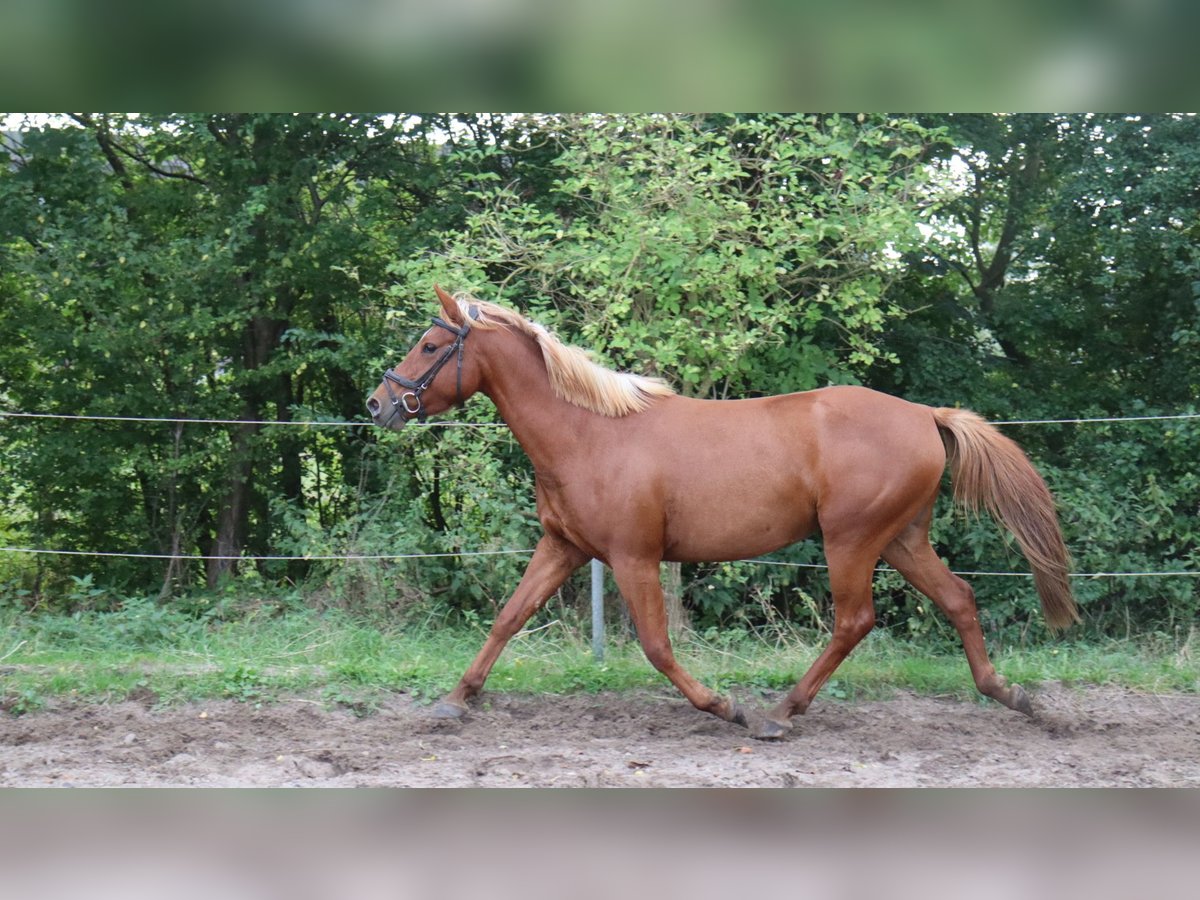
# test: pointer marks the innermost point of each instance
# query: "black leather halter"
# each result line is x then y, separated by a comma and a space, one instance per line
410, 401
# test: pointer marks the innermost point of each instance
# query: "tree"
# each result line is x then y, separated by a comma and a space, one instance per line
1061, 282
710, 248
196, 266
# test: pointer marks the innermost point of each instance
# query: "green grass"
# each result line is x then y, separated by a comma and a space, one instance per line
261, 657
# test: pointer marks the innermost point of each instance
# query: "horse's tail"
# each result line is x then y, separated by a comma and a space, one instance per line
989, 469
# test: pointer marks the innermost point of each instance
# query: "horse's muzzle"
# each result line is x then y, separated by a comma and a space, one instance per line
384, 416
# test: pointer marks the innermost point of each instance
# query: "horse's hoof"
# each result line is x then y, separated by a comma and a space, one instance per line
1019, 700
737, 715
765, 729
446, 709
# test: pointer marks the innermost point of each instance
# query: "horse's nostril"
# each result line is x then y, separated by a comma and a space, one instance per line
373, 406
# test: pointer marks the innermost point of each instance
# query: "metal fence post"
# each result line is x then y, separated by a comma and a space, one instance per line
598, 610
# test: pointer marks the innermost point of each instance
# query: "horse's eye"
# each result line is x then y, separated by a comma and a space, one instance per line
429, 348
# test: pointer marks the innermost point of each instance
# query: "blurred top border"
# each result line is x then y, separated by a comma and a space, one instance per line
615, 55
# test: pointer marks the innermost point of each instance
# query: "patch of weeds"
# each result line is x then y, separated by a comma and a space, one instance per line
18, 703
142, 623
593, 678
361, 703
356, 672
84, 595
426, 689
424, 682
835, 689
762, 681
244, 684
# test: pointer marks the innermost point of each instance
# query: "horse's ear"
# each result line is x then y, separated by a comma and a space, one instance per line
450, 310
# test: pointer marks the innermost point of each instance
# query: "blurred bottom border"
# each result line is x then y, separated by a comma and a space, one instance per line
696, 844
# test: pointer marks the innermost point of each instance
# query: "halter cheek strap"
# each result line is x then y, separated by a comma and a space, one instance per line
410, 401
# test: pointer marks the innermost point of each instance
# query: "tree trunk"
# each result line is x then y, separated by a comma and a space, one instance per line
260, 340
232, 517
291, 480
175, 564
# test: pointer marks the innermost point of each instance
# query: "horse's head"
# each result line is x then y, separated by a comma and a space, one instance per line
436, 374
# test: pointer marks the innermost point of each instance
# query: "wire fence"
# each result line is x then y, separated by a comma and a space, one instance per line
313, 423
319, 423
376, 557
246, 558
358, 423
1098, 419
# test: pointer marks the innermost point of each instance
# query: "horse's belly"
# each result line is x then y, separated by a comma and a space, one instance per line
732, 531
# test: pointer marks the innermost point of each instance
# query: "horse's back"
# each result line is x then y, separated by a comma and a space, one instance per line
767, 470
839, 418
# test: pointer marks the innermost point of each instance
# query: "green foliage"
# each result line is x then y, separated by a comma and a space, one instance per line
1058, 283
717, 250
268, 267
192, 266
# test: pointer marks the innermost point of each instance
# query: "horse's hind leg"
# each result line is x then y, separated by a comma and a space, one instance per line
850, 574
641, 587
913, 557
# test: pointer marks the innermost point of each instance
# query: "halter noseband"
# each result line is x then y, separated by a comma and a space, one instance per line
410, 401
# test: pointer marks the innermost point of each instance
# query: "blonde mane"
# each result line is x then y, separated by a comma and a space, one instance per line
574, 375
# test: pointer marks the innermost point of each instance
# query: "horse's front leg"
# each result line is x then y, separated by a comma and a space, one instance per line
553, 561
642, 589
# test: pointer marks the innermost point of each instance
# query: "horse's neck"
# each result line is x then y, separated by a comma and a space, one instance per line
545, 425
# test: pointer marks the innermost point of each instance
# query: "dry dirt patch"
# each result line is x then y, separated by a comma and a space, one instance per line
1082, 737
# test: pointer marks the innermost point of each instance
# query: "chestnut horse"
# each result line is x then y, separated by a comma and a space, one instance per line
632, 474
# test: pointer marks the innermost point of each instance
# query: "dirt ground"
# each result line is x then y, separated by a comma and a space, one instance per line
1081, 737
